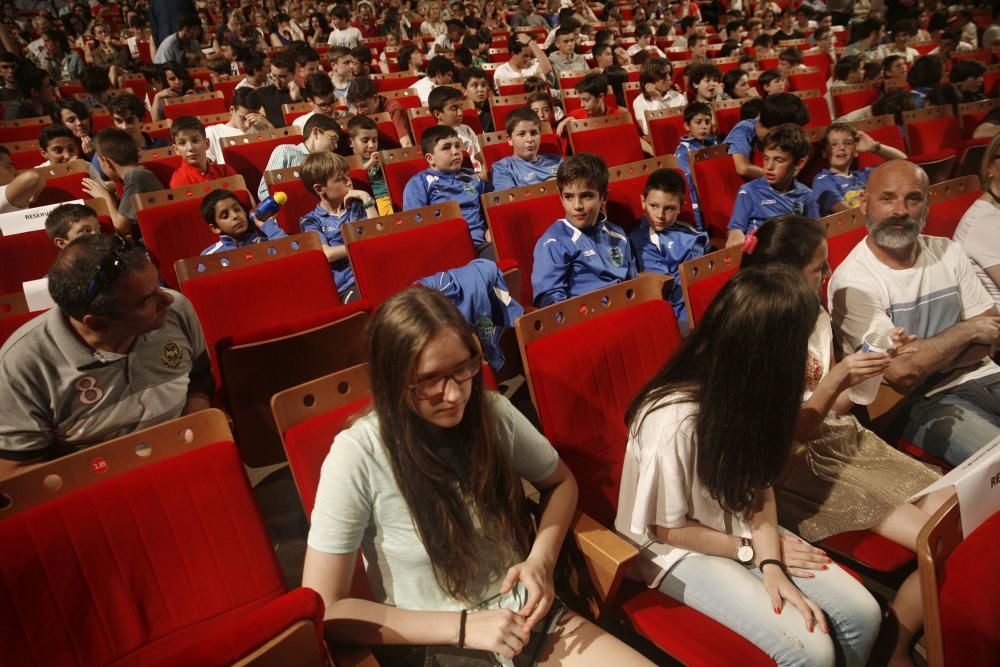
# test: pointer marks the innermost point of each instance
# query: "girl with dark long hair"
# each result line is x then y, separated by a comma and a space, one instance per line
843, 477
709, 437
428, 484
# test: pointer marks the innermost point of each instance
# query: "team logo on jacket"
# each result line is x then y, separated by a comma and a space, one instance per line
617, 256
485, 329
799, 208
171, 355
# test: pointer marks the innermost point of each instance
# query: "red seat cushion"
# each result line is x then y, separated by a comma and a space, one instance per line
871, 550
969, 588
689, 636
397, 174
666, 133
26, 256
717, 183
249, 159
625, 203
700, 294
944, 216
158, 555
616, 145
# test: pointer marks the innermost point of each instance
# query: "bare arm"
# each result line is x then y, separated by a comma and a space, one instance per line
702, 539
544, 66
122, 224
25, 188
745, 168
960, 345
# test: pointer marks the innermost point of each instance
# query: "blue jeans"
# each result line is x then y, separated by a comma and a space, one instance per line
954, 424
734, 595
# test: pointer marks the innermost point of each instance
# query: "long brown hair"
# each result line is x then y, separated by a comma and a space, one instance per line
446, 497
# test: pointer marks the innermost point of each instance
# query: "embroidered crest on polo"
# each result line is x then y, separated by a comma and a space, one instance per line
617, 256
485, 328
172, 354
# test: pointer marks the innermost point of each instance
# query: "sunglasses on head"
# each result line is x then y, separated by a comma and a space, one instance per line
108, 271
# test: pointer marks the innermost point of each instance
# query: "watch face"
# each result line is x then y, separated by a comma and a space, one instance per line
744, 554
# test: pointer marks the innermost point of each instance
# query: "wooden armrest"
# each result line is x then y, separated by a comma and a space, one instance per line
352, 655
607, 557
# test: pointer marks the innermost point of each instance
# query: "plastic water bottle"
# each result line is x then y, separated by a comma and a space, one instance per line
269, 207
865, 392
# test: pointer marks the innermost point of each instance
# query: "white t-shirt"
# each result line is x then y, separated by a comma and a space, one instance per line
349, 37
979, 235
936, 293
424, 87
505, 71
820, 353
358, 503
640, 105
660, 487
6, 206
215, 134
303, 119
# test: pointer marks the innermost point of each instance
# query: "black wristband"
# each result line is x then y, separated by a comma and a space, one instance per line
461, 629
772, 561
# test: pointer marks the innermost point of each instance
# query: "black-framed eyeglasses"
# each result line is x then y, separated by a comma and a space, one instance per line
434, 387
108, 271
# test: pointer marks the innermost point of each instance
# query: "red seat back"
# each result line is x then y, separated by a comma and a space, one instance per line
11, 323
248, 154
196, 108
172, 226
290, 294
819, 110
972, 114
23, 257
398, 167
948, 203
397, 81
163, 162
889, 134
300, 200
808, 81
582, 397
726, 118
702, 278
852, 98
24, 154
845, 230
151, 559
63, 183
614, 138
717, 182
501, 107
23, 129
625, 188
517, 219
371, 254
666, 127
820, 61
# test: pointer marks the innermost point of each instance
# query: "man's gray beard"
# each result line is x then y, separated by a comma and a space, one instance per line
884, 235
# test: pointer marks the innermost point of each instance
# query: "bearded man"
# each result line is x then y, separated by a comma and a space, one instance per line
897, 277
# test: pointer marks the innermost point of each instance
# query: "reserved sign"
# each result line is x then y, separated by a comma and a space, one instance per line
28, 219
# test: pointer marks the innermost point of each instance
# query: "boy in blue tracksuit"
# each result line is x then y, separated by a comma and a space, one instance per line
583, 251
661, 241
445, 180
839, 187
236, 228
525, 166
746, 137
698, 123
786, 150
326, 175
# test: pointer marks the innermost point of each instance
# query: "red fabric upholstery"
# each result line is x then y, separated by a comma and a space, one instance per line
549, 145
820, 61
163, 167
452, 245
819, 111
692, 638
873, 551
841, 245
969, 588
290, 294
944, 216
177, 231
584, 378
936, 134
501, 111
720, 174
198, 108
226, 647
510, 88
11, 323
618, 144
419, 124
395, 83
24, 257
666, 133
625, 205
516, 226
300, 201
138, 566
700, 295
228, 89
59, 189
9, 135
26, 157
808, 81
397, 174
248, 160
726, 119
852, 101
890, 135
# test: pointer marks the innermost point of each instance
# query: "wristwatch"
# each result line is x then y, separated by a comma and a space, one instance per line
744, 553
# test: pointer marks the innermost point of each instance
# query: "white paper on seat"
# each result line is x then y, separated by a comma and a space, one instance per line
36, 293
28, 219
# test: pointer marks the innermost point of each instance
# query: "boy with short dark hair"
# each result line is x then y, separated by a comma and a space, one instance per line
746, 136
118, 159
839, 187
445, 104
698, 135
68, 222
191, 144
705, 81
786, 149
526, 166
771, 82
57, 144
364, 97
661, 241
327, 177
246, 116
234, 224
583, 251
362, 134
592, 90
320, 134
446, 180
967, 76
789, 59
319, 93
476, 85
440, 72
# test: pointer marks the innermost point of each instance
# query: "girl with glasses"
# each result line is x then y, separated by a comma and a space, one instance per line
428, 484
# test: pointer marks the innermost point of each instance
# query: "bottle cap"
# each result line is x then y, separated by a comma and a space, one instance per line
280, 198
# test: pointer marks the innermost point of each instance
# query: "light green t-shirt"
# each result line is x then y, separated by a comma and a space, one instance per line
359, 504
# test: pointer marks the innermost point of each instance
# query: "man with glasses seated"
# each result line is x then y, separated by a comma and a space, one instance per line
118, 354
320, 134
319, 93
247, 116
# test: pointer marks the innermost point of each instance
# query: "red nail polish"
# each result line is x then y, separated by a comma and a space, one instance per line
825, 567
777, 610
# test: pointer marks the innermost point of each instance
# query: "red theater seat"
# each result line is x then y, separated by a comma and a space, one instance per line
625, 188
300, 200
23, 257
703, 277
882, 129
163, 162
727, 114
495, 145
615, 138
198, 104
666, 127
248, 154
155, 542
501, 107
398, 166
853, 97
63, 182
948, 203
717, 183
819, 110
